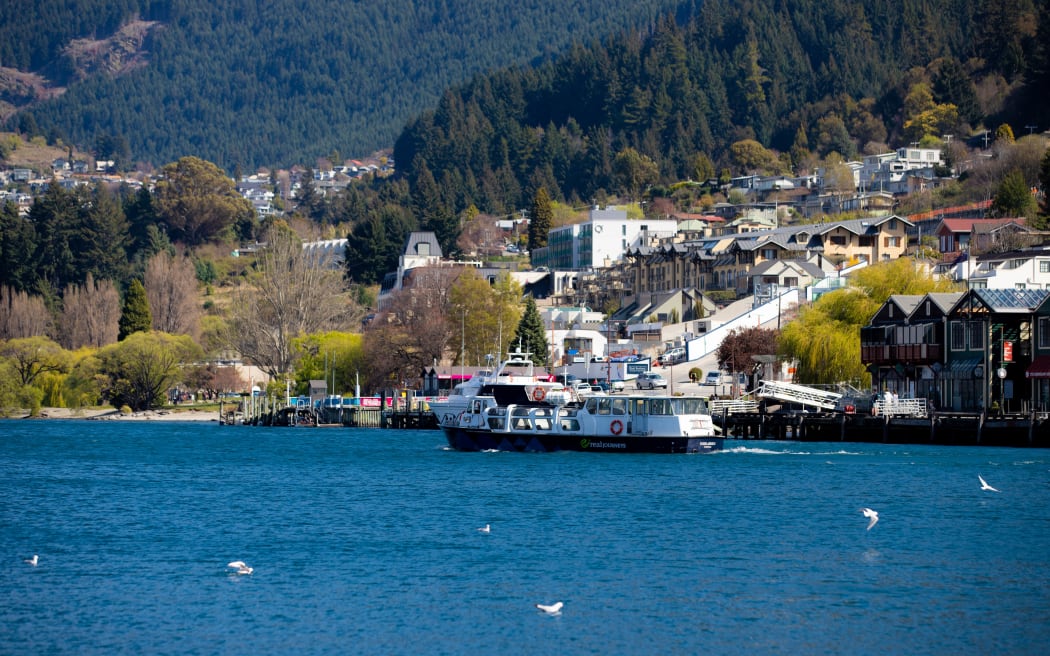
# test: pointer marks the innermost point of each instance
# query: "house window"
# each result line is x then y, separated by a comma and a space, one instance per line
838, 241
958, 336
769, 254
976, 336
891, 242
866, 242
1043, 332
1044, 266
1019, 285
791, 281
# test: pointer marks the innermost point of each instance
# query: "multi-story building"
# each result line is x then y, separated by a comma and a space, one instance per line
725, 262
599, 241
968, 352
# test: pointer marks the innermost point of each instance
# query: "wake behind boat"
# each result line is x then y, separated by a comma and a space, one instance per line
618, 424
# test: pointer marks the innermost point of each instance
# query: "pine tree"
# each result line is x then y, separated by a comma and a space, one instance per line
1013, 198
135, 316
531, 333
541, 215
1043, 217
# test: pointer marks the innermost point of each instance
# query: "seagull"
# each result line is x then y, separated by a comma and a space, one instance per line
241, 567
984, 484
553, 609
870, 514
485, 529
32, 561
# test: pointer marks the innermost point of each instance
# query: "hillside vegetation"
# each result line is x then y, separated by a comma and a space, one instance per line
279, 82
746, 86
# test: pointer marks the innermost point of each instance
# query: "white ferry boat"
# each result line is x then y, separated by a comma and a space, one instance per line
515, 381
617, 424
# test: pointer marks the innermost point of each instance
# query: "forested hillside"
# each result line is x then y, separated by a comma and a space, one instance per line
745, 86
277, 82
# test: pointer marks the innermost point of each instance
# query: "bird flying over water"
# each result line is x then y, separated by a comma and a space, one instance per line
32, 561
485, 529
984, 484
241, 567
870, 514
553, 609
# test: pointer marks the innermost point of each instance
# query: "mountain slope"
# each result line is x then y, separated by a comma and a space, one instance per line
248, 83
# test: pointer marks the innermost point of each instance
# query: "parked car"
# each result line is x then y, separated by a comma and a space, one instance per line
716, 378
672, 356
650, 380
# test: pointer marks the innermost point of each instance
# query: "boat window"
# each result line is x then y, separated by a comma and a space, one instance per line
604, 406
639, 407
689, 406
496, 423
659, 406
592, 405
619, 406
543, 423
522, 423
571, 424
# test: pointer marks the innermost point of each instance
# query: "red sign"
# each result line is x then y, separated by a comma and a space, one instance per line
1008, 351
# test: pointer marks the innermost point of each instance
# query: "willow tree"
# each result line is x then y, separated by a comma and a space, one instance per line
294, 292
139, 370
824, 341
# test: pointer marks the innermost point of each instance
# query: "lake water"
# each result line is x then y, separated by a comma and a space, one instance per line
366, 541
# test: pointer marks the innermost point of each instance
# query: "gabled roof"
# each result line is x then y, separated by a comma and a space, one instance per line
810, 269
966, 225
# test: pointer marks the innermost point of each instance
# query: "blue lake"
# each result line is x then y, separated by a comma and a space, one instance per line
366, 541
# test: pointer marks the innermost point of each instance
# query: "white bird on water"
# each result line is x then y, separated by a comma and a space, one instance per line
32, 561
485, 529
870, 514
553, 609
241, 567
984, 484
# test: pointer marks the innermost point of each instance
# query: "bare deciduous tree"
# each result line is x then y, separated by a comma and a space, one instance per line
414, 333
90, 314
22, 315
171, 288
296, 292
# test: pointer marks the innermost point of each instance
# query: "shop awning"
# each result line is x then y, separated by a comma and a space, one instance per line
963, 369
1040, 368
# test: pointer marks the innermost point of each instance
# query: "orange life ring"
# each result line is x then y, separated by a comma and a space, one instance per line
539, 394
616, 427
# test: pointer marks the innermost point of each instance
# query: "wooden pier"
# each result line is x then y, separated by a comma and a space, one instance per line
944, 428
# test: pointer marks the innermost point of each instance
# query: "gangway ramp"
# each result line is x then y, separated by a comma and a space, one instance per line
791, 393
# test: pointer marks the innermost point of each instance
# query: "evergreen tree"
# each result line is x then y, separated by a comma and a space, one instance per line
531, 334
135, 316
541, 215
1013, 198
1043, 217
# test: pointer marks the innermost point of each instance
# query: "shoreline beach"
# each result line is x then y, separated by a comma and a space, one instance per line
111, 414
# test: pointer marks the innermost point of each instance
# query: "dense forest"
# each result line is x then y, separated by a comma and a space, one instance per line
271, 83
745, 86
